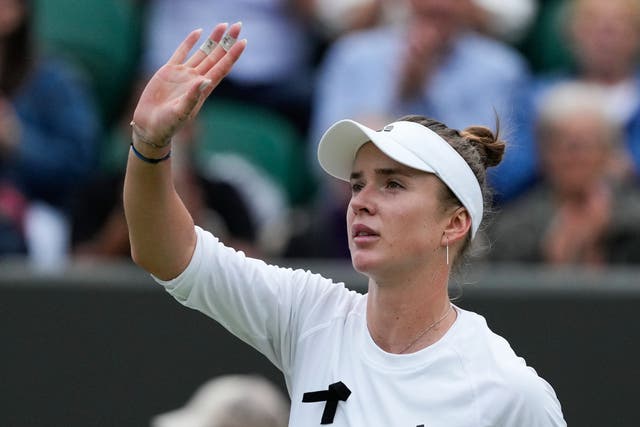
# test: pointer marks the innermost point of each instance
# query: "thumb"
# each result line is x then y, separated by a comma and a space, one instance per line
191, 98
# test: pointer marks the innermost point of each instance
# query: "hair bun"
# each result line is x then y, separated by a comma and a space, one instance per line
488, 144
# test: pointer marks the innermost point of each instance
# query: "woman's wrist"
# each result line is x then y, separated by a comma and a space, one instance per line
149, 151
140, 136
150, 160
146, 149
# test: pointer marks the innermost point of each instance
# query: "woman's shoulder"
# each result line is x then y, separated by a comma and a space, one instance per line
485, 348
507, 388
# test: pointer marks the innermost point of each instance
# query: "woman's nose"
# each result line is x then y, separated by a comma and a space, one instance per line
362, 201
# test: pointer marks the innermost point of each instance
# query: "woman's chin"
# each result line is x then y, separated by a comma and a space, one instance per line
363, 264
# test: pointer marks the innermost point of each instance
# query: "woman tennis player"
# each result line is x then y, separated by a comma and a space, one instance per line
401, 355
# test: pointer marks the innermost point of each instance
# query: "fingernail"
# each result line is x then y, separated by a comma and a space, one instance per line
239, 23
204, 85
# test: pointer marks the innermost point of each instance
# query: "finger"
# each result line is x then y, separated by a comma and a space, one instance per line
185, 47
220, 51
224, 66
208, 46
190, 100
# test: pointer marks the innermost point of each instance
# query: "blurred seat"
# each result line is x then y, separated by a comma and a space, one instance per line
264, 138
546, 45
101, 36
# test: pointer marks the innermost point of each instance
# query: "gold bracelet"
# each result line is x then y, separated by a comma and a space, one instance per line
138, 135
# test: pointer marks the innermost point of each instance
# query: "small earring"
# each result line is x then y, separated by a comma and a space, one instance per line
447, 249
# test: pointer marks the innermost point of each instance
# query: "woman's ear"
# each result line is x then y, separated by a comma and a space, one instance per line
457, 227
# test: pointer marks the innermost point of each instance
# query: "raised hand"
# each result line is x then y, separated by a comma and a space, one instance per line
178, 89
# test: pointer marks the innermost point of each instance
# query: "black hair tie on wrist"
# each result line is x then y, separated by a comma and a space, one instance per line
147, 159
336, 392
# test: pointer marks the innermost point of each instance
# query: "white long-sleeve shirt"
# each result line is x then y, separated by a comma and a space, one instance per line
315, 332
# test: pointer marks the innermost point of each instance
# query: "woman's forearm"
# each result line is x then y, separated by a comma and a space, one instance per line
161, 230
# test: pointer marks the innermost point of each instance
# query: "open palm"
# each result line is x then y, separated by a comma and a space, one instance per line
178, 89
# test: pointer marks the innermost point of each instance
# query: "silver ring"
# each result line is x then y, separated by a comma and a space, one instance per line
227, 42
208, 46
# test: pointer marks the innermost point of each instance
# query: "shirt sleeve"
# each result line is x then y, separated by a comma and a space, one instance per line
266, 306
531, 402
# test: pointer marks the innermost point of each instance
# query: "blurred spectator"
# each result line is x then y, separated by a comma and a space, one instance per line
581, 212
99, 225
48, 131
275, 70
605, 41
231, 401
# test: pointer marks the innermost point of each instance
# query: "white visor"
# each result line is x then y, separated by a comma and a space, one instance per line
411, 144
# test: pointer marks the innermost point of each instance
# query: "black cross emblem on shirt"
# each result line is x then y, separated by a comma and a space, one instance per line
336, 392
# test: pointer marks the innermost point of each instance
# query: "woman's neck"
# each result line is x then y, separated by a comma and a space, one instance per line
409, 315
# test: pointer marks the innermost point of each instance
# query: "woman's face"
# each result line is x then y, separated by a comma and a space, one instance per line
395, 218
11, 16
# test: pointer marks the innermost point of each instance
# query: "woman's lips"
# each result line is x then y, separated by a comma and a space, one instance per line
362, 234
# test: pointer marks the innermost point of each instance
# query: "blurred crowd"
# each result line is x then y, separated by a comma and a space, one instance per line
560, 78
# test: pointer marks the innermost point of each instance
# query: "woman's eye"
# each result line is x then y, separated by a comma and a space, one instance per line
355, 187
393, 184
